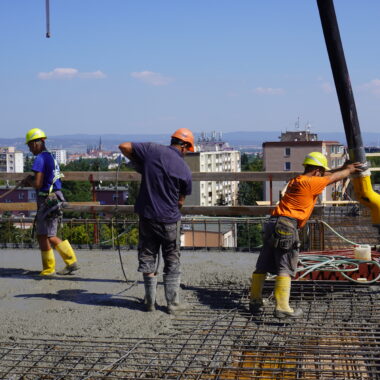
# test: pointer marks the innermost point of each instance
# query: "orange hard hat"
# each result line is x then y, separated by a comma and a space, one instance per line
185, 135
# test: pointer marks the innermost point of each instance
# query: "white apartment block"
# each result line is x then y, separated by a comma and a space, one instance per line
11, 161
289, 155
213, 156
60, 155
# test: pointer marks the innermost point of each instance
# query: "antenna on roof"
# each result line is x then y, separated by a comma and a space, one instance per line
297, 124
47, 9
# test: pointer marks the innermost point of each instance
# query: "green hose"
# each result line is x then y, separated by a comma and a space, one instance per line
327, 263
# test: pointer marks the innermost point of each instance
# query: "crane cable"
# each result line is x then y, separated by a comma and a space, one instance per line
117, 204
47, 12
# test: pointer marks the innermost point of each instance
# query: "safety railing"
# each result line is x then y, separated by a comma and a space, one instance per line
210, 227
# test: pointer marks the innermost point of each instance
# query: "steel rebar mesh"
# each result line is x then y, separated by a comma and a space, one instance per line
338, 338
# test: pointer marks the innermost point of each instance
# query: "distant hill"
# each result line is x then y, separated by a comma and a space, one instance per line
240, 140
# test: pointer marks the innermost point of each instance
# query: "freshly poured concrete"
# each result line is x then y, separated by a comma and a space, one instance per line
97, 301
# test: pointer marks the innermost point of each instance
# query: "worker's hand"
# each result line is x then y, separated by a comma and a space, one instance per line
181, 201
27, 181
356, 167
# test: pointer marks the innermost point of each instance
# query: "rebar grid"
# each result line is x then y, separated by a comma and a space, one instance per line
338, 338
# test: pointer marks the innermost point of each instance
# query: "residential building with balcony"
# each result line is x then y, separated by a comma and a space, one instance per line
60, 155
213, 155
11, 161
288, 155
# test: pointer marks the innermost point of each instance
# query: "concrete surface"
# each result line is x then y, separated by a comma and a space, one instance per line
97, 301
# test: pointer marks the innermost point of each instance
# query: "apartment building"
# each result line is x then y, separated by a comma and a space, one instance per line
11, 161
60, 155
213, 155
111, 195
288, 155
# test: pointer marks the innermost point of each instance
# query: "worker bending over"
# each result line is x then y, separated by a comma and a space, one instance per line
165, 182
279, 254
46, 181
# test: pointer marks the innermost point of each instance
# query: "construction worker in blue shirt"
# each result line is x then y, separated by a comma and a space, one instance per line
165, 182
46, 181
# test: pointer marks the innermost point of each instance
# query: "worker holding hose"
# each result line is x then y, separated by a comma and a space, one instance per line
165, 182
279, 254
46, 181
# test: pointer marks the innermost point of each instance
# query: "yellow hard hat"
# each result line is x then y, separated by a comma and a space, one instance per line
316, 159
35, 134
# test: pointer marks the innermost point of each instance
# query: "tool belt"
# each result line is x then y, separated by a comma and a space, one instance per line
52, 205
285, 235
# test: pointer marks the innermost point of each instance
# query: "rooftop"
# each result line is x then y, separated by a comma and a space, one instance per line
92, 325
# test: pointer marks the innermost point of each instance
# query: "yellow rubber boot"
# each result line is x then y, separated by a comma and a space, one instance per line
48, 263
282, 295
68, 256
256, 299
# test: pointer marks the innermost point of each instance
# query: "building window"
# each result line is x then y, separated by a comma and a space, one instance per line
287, 152
287, 166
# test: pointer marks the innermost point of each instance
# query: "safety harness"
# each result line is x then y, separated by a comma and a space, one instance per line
53, 203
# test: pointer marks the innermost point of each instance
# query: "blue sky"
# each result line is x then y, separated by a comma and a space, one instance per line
138, 66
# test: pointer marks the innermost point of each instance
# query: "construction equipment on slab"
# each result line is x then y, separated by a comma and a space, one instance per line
362, 182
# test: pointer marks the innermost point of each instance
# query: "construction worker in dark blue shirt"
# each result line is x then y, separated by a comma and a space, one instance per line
46, 181
165, 182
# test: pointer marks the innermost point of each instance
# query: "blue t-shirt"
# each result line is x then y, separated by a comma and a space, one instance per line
45, 163
164, 177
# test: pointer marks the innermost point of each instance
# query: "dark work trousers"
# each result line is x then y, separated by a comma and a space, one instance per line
153, 236
280, 251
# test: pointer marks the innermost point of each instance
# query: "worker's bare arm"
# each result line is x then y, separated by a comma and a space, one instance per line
35, 181
344, 172
181, 200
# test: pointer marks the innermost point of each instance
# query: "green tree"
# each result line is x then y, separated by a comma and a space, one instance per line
133, 191
249, 235
77, 191
7, 229
133, 237
250, 192
28, 163
77, 234
86, 164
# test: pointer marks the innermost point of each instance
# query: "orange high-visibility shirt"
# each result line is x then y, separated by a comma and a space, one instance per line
300, 198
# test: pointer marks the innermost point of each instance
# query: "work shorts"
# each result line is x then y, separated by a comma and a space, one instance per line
153, 236
47, 225
280, 250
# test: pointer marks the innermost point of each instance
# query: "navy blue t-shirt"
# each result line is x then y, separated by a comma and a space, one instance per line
45, 163
164, 177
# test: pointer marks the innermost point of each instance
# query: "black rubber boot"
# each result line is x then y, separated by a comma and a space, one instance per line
68, 269
257, 306
296, 313
172, 284
150, 284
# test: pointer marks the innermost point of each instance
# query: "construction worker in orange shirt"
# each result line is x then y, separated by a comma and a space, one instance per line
280, 251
